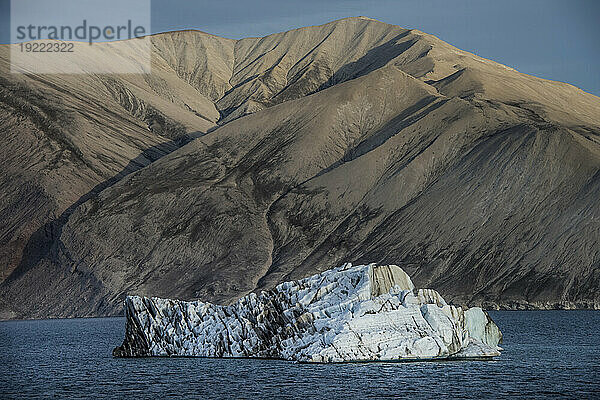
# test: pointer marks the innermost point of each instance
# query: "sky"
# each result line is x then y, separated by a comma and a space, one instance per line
553, 39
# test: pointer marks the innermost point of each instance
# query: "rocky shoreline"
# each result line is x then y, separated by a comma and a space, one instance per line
7, 315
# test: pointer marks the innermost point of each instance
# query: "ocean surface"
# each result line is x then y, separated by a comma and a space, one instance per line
547, 354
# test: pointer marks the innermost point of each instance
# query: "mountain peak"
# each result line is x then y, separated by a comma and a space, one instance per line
269, 159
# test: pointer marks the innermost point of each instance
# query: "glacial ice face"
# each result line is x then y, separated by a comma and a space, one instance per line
350, 313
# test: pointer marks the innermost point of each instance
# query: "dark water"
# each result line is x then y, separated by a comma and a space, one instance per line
547, 354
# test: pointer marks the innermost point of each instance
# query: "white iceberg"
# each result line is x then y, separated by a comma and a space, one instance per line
350, 313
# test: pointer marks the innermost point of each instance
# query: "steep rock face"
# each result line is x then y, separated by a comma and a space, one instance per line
354, 141
359, 313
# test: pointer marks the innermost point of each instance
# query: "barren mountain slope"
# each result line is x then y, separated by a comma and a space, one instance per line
366, 142
62, 135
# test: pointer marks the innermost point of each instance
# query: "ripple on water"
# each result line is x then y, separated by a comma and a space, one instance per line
547, 354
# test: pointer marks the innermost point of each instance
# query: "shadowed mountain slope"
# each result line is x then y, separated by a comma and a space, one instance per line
66, 135
352, 141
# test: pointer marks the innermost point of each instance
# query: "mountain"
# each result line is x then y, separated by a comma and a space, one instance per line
237, 165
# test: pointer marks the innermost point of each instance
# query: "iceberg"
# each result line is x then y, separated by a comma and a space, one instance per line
350, 313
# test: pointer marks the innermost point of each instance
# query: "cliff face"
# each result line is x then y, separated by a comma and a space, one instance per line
360, 313
355, 141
